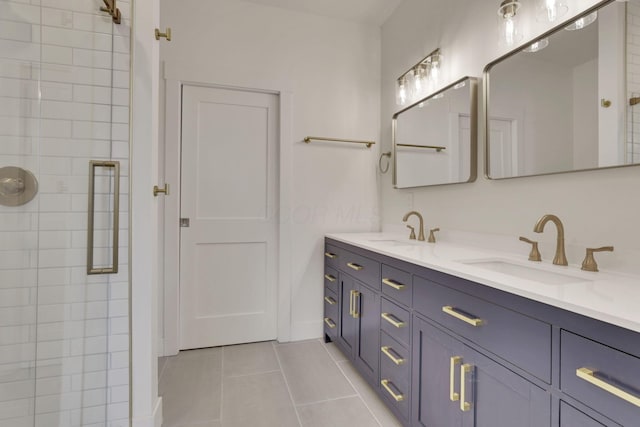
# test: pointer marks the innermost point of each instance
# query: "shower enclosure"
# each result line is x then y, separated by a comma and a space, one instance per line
64, 250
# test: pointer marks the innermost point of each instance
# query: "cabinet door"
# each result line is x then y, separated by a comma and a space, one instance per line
498, 397
436, 357
455, 386
367, 307
347, 324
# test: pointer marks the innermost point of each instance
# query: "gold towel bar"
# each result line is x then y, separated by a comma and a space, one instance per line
308, 139
433, 147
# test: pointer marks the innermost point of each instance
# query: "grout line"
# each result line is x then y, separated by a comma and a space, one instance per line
286, 383
364, 402
252, 374
333, 399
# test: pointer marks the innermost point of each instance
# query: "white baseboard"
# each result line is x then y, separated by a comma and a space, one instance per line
155, 420
301, 331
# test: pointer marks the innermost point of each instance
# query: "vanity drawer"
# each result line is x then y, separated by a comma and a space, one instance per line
330, 313
394, 361
396, 284
331, 256
362, 268
522, 340
571, 417
397, 395
601, 377
331, 278
395, 321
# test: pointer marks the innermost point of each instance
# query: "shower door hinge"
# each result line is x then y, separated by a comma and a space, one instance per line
184, 222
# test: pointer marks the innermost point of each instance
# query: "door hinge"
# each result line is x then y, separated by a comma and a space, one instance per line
184, 222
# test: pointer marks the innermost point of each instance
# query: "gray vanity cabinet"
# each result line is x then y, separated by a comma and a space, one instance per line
456, 386
359, 325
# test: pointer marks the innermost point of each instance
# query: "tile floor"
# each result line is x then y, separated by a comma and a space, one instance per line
308, 384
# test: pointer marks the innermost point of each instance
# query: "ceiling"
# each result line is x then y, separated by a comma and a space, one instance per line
366, 11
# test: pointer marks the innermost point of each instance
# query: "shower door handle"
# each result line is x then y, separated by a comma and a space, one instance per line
93, 165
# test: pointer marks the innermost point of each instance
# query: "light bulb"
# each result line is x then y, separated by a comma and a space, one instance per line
537, 45
508, 22
551, 10
401, 92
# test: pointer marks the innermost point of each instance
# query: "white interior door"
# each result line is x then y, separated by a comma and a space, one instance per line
228, 253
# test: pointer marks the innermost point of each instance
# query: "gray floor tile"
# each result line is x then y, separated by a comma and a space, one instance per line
371, 399
335, 353
347, 412
260, 400
190, 387
247, 359
311, 373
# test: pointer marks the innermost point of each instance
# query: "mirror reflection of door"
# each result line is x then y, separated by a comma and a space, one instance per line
503, 152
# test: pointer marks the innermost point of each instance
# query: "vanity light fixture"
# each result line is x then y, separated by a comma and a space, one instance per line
551, 10
508, 21
537, 45
582, 22
419, 80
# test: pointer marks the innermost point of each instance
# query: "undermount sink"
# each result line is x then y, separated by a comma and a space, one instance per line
393, 242
525, 272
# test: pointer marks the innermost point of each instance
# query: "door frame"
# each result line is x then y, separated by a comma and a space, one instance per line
176, 75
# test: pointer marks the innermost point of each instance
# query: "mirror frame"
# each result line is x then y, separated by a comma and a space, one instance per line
486, 89
473, 143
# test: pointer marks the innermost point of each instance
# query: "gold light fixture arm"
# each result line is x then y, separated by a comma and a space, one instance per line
111, 9
308, 139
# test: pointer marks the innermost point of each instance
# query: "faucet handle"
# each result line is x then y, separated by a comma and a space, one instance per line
589, 262
412, 236
534, 255
432, 237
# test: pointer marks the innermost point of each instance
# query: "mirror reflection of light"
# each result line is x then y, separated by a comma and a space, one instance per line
439, 96
583, 22
537, 46
460, 85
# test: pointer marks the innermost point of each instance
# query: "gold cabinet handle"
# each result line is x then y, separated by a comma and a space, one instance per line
356, 267
330, 300
451, 312
464, 369
395, 285
589, 376
388, 352
455, 361
330, 255
329, 277
396, 397
389, 318
351, 303
356, 303
330, 323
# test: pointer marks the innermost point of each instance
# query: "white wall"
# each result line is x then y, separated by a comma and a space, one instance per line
596, 207
585, 116
633, 80
332, 68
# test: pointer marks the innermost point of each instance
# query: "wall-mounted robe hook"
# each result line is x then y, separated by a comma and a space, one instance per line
166, 35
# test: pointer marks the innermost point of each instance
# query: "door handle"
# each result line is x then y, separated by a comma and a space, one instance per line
589, 376
91, 268
392, 283
356, 304
464, 369
455, 361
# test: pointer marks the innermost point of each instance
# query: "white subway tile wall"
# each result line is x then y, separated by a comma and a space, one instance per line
633, 80
64, 100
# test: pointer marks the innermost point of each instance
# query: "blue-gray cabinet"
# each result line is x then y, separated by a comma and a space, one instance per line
446, 352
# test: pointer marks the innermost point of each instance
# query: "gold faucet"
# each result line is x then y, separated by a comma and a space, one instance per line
560, 258
421, 230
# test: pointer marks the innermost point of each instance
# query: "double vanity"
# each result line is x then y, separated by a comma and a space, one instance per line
451, 334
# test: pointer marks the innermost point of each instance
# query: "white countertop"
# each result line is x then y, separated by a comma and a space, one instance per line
608, 296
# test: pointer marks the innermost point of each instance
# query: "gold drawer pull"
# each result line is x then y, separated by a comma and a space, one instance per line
395, 285
451, 312
389, 318
589, 376
464, 369
396, 397
329, 277
356, 267
330, 300
356, 304
387, 351
453, 395
330, 323
330, 255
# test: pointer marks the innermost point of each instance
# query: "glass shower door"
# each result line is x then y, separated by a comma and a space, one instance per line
64, 162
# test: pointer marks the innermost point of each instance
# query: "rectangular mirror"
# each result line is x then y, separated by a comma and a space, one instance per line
435, 139
561, 103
